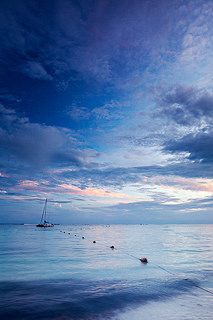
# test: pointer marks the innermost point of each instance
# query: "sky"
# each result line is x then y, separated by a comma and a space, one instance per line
106, 110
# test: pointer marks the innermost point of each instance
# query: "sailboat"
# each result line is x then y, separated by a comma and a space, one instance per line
44, 223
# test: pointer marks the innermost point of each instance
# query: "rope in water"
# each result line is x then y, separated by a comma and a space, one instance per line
164, 269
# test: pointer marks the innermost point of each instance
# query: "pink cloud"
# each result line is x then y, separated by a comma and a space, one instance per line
90, 191
29, 184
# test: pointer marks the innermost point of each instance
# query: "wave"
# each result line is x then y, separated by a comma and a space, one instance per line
74, 299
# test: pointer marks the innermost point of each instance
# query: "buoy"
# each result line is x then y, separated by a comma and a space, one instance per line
144, 260
83, 238
75, 235
94, 241
112, 247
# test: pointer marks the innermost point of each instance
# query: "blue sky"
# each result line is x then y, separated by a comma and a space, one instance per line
106, 109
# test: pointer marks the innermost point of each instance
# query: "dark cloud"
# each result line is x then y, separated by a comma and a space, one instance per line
187, 105
199, 146
189, 117
38, 145
98, 39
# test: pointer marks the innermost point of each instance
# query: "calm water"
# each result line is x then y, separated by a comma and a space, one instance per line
48, 274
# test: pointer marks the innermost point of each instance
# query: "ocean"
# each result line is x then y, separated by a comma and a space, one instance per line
55, 274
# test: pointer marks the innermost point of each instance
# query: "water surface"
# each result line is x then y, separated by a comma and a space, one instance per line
55, 274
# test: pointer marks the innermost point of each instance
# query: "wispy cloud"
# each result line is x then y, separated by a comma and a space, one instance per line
35, 70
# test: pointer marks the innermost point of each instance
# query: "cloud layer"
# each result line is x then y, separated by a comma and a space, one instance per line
106, 109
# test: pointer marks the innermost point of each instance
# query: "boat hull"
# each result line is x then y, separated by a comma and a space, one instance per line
42, 225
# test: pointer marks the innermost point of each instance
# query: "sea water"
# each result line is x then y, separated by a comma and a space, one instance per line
55, 274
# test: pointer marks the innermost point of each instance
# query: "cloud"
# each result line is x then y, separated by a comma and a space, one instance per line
113, 110
181, 175
3, 175
187, 105
197, 39
29, 184
182, 123
125, 45
153, 212
102, 44
39, 145
67, 191
9, 97
70, 189
199, 146
78, 113
108, 62
35, 70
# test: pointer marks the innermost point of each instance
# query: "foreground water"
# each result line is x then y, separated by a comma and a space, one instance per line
49, 274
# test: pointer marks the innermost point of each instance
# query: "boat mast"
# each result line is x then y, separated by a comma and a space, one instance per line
45, 212
43, 217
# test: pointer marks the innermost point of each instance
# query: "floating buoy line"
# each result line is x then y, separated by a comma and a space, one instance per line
144, 261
